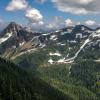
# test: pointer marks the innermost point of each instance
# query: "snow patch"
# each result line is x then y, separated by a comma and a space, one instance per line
50, 61
55, 54
22, 43
42, 45
52, 37
63, 33
98, 31
83, 28
8, 35
61, 60
57, 31
69, 30
55, 39
62, 44
72, 41
67, 55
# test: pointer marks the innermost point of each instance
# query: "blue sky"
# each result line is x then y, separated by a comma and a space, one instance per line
69, 11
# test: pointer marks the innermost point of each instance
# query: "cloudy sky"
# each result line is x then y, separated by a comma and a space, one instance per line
50, 14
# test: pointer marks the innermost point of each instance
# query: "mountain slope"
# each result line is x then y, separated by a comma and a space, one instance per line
78, 79
16, 84
15, 40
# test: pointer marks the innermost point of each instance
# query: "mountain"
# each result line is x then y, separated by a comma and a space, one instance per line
16, 40
16, 34
67, 59
61, 46
15, 37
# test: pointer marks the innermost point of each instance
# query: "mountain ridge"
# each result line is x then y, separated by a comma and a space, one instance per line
15, 38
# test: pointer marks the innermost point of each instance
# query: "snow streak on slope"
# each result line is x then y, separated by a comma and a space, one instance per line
94, 34
8, 35
22, 53
77, 53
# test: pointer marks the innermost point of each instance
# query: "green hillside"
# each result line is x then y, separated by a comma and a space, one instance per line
16, 84
81, 81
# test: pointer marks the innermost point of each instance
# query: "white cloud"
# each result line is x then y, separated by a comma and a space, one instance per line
85, 1
56, 23
52, 25
78, 23
41, 23
78, 6
69, 22
90, 22
41, 1
17, 5
34, 16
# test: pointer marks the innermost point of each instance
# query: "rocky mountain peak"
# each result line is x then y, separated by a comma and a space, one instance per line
11, 28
